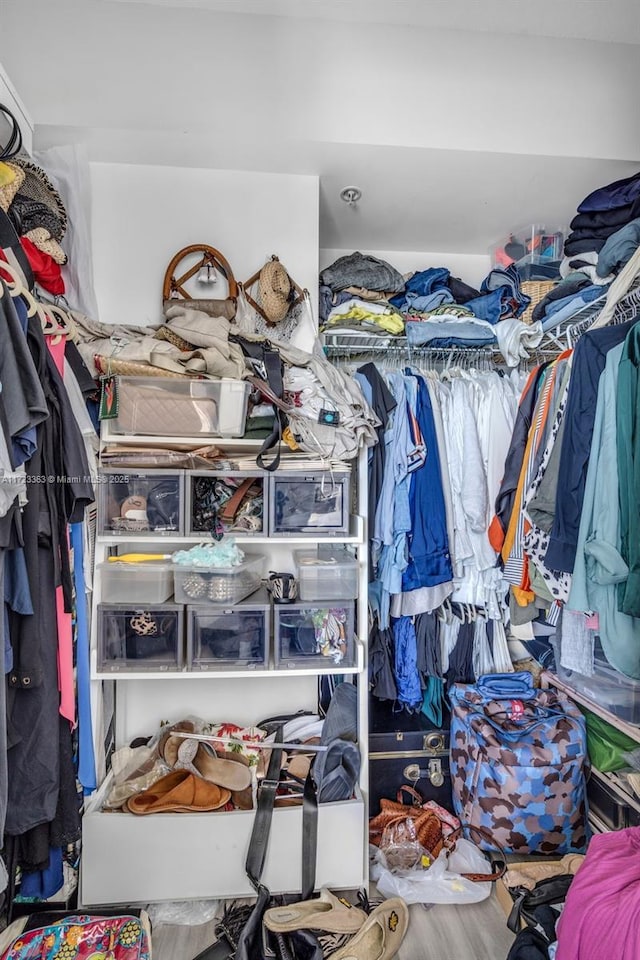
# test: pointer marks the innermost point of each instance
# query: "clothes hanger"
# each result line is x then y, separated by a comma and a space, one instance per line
17, 288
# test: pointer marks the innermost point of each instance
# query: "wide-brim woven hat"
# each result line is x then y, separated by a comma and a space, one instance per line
11, 179
42, 239
275, 289
38, 186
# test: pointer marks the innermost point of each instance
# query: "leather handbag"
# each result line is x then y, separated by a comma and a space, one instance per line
174, 290
426, 823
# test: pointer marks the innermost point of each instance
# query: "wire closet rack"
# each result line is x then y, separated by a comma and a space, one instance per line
350, 345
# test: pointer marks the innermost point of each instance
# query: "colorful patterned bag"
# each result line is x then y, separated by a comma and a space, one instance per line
55, 936
517, 764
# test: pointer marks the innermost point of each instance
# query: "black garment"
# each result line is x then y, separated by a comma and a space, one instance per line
616, 217
382, 404
382, 681
461, 657
573, 246
87, 384
529, 945
461, 291
429, 648
565, 289
589, 358
586, 233
34, 757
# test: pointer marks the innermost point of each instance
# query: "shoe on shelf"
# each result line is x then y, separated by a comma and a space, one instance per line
326, 912
179, 792
381, 936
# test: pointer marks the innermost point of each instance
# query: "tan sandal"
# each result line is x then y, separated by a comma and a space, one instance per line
326, 912
381, 936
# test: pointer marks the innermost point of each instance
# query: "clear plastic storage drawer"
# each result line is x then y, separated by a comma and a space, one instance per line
234, 501
133, 637
140, 502
607, 687
180, 407
310, 503
314, 634
150, 581
232, 638
327, 573
193, 584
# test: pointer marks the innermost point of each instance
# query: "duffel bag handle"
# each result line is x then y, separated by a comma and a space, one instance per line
507, 686
524, 728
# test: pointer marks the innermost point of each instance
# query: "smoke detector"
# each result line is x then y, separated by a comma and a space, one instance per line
351, 195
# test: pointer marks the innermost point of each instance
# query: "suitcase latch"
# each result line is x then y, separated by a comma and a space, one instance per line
412, 772
435, 774
433, 743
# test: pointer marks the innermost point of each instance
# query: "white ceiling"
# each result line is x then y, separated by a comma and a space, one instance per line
454, 139
605, 20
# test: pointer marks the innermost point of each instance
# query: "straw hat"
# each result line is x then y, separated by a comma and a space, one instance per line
11, 179
275, 289
42, 239
38, 186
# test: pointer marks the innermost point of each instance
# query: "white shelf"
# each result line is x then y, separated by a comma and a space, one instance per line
263, 674
631, 731
355, 536
200, 856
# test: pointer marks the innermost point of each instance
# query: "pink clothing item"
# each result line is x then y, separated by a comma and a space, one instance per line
601, 917
66, 684
56, 344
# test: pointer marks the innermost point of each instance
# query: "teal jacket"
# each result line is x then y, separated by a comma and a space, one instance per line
599, 566
628, 414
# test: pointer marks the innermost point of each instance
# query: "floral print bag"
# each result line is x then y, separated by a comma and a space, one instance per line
56, 936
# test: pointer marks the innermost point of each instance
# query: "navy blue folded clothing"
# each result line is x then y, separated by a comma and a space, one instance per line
616, 217
620, 193
572, 247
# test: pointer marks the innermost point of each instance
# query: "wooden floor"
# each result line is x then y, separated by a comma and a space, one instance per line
476, 931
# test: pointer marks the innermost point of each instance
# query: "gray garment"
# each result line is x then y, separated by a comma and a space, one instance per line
361, 270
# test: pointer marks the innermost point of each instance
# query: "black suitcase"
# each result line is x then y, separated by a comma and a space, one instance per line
407, 748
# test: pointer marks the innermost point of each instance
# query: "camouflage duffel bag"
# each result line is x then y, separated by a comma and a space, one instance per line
518, 760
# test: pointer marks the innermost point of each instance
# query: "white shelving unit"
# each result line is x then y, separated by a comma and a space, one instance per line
134, 859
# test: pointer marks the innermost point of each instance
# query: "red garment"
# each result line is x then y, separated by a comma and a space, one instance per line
45, 270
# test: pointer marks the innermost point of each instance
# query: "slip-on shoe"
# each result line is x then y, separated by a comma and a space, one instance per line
179, 792
381, 935
326, 912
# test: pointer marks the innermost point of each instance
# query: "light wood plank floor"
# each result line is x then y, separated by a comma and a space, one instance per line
476, 931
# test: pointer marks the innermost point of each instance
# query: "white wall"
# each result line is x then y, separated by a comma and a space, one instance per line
468, 267
142, 216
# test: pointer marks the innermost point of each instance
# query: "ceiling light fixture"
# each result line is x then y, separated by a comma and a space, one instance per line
351, 195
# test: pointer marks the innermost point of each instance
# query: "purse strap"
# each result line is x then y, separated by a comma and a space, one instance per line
232, 505
13, 146
499, 866
417, 800
259, 841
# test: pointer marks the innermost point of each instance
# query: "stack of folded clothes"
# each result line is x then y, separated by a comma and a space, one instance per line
605, 231
432, 307
355, 293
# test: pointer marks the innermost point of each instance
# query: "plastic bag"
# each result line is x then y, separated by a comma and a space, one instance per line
183, 913
442, 882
